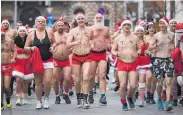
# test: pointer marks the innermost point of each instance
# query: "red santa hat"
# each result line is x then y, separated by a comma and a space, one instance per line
80, 14
125, 21
117, 25
5, 21
22, 28
139, 28
3, 29
179, 28
172, 20
59, 21
164, 20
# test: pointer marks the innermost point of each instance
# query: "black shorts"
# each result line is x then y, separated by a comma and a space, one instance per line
152, 62
163, 67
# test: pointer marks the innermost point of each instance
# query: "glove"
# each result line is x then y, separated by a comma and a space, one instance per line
175, 53
19, 50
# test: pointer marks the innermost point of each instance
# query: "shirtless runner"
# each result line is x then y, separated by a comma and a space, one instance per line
11, 33
125, 48
7, 47
79, 40
101, 39
61, 62
150, 79
116, 34
163, 63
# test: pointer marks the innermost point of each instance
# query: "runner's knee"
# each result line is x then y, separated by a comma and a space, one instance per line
102, 76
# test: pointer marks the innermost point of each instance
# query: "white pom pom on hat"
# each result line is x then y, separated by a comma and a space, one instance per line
80, 14
22, 28
5, 21
125, 21
139, 28
172, 20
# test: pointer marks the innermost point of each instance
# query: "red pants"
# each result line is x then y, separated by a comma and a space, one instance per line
98, 55
61, 63
6, 70
22, 69
79, 60
122, 66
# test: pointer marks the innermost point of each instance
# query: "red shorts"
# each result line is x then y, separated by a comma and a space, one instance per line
6, 70
22, 69
61, 63
80, 59
122, 66
98, 55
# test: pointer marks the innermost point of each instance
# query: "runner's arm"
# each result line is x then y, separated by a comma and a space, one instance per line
114, 48
69, 43
28, 42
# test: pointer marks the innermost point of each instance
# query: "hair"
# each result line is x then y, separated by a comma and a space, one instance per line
20, 22
18, 41
66, 23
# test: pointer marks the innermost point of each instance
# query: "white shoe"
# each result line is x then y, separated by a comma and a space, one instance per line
141, 104
46, 103
24, 101
19, 100
38, 106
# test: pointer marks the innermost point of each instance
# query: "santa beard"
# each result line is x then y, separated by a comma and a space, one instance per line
99, 25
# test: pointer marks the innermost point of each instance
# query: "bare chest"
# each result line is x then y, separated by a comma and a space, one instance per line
126, 43
6, 46
59, 38
10, 34
164, 39
149, 39
81, 36
100, 33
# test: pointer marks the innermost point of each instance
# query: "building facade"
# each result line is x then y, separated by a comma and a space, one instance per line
28, 11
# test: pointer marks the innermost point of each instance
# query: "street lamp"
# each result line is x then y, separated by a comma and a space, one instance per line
15, 14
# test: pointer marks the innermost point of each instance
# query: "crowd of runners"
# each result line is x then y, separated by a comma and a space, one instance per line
145, 59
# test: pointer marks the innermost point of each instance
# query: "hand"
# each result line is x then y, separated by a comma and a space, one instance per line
32, 48
51, 49
77, 42
135, 55
13, 60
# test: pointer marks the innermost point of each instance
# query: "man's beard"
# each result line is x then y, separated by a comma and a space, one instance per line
99, 25
60, 30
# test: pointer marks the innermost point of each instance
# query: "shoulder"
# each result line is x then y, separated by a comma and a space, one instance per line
31, 33
49, 30
66, 34
106, 28
8, 39
117, 38
55, 33
172, 33
133, 36
72, 31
